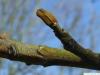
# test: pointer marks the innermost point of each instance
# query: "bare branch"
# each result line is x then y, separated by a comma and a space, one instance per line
73, 55
68, 42
40, 55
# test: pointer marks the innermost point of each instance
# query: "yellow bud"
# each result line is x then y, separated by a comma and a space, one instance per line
47, 17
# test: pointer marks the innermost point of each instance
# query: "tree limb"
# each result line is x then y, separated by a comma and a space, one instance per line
40, 55
68, 42
73, 55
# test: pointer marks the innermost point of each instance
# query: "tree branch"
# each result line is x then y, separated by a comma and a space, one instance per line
68, 42
73, 55
40, 55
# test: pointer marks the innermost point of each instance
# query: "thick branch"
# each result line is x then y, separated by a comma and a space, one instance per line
68, 42
40, 55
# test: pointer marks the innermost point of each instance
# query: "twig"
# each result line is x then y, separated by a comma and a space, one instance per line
68, 42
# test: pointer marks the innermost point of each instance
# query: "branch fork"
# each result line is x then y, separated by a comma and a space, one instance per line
73, 54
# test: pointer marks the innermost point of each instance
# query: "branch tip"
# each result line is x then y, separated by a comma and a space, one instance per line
47, 17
